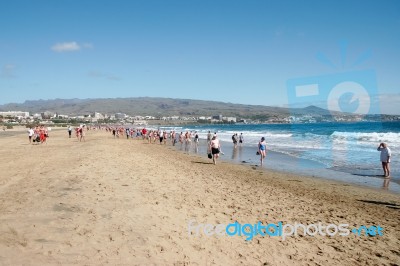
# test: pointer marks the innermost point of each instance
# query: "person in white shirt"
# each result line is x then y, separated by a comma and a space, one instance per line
30, 134
69, 131
385, 158
241, 139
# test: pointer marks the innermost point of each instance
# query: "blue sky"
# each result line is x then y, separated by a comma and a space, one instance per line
232, 51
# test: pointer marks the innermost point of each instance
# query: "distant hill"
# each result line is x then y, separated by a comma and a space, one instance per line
157, 107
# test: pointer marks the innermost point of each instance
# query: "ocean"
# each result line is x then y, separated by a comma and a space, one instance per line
312, 148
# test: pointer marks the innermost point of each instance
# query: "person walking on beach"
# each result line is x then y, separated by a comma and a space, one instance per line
196, 142
181, 138
241, 139
144, 133
173, 138
30, 134
42, 134
209, 136
165, 137
127, 132
82, 133
235, 140
69, 131
262, 149
36, 136
215, 147
188, 140
385, 158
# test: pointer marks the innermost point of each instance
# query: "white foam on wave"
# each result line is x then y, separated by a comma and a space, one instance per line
375, 137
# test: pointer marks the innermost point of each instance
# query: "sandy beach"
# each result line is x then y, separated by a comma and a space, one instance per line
126, 202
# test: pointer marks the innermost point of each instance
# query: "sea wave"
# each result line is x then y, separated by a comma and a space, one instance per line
390, 137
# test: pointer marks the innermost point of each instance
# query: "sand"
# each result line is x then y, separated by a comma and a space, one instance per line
125, 202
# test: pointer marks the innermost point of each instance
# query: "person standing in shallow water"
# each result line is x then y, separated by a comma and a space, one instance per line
385, 158
241, 139
262, 149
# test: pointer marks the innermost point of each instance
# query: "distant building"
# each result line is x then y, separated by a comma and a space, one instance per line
15, 114
37, 116
229, 119
140, 122
120, 116
98, 116
47, 115
217, 117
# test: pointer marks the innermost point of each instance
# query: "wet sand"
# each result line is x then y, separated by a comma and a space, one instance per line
276, 161
125, 202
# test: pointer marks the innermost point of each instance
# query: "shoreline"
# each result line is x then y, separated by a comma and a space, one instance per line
285, 163
282, 162
118, 201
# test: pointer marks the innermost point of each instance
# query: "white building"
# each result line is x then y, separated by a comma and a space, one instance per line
98, 116
120, 116
229, 119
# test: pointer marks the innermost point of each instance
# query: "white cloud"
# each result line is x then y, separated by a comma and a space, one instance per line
7, 71
70, 47
66, 47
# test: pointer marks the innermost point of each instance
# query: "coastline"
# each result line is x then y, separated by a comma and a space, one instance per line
118, 201
281, 162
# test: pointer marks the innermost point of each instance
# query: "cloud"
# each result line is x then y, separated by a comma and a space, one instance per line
97, 74
70, 47
66, 47
8, 71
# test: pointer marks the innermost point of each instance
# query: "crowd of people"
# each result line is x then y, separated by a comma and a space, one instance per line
38, 134
187, 140
153, 136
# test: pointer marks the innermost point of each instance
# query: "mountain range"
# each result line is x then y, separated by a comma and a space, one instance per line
158, 107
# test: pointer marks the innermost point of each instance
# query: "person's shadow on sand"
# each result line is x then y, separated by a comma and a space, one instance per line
202, 162
387, 204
